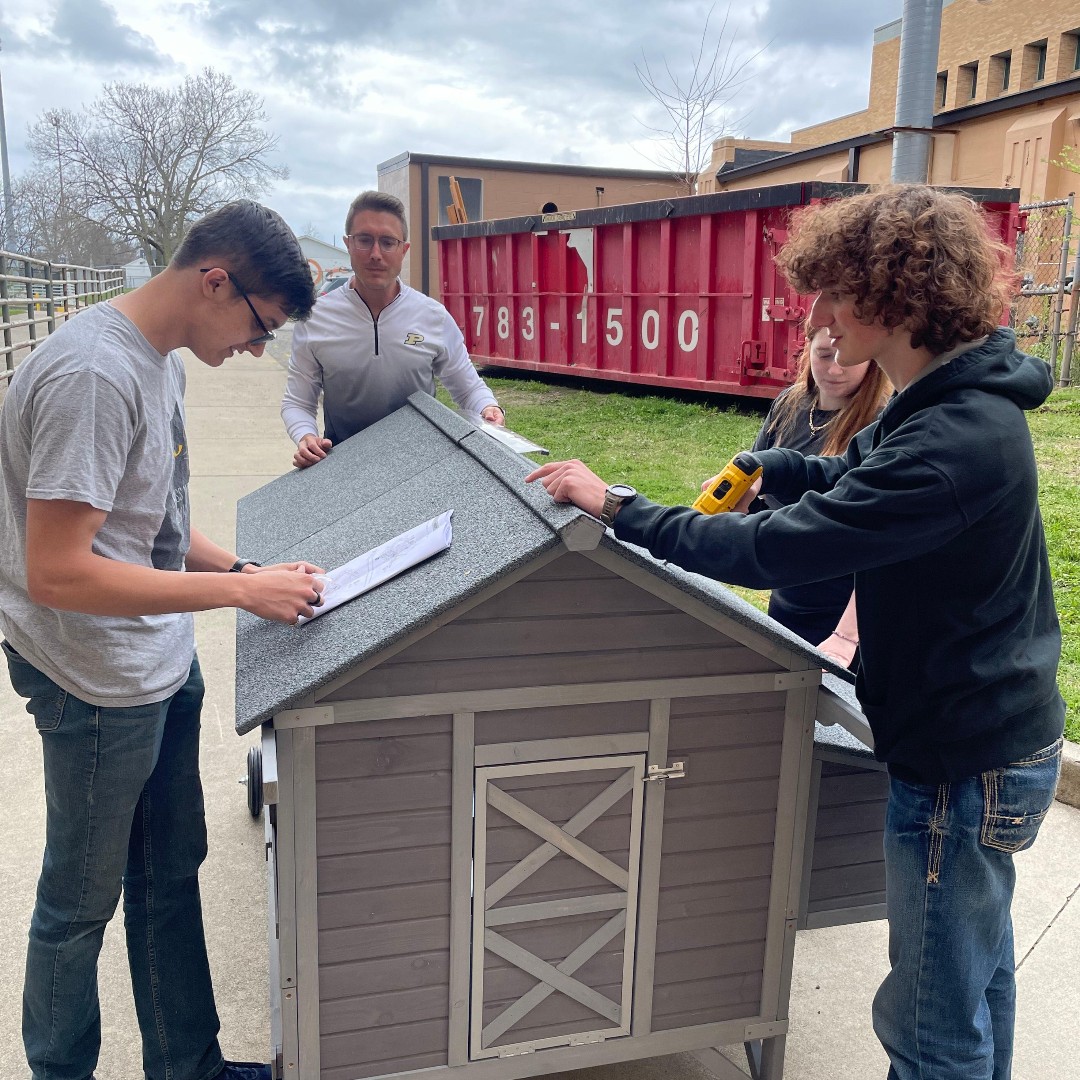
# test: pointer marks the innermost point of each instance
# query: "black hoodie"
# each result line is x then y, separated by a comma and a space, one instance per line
935, 508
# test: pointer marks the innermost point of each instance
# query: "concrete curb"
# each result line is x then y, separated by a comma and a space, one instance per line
1068, 789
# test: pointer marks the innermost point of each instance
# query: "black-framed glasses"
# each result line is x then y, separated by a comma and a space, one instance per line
267, 335
365, 242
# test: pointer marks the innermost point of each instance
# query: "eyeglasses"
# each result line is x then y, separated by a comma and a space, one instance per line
267, 335
365, 242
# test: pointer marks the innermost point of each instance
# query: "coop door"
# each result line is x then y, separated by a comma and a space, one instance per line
555, 887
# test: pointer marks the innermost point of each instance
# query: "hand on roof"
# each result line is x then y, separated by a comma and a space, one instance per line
310, 450
572, 482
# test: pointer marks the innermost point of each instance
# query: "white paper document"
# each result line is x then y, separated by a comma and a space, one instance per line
518, 443
363, 573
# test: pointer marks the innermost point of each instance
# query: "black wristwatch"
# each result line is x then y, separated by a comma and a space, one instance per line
614, 497
238, 566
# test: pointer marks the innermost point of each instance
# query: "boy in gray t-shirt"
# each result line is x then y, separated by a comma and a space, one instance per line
100, 571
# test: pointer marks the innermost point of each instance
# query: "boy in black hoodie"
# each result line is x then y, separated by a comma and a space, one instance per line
935, 509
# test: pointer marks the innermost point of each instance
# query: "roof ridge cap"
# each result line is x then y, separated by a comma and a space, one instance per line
563, 520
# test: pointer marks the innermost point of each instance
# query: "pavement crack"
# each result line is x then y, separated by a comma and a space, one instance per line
1046, 930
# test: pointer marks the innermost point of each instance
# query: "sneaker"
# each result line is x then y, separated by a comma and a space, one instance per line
244, 1070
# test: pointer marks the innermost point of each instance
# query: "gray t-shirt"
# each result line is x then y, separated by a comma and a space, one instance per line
96, 415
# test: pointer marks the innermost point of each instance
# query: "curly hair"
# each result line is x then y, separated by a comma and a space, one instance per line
913, 257
861, 410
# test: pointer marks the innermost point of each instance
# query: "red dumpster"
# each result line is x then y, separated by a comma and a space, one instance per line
679, 292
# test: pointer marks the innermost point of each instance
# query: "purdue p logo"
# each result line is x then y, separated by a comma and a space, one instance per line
413, 338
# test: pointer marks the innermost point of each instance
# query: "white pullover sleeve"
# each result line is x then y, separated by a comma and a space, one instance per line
455, 371
303, 389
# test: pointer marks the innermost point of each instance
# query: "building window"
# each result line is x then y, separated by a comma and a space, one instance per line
472, 195
942, 88
1070, 49
969, 78
1038, 55
1034, 69
1000, 71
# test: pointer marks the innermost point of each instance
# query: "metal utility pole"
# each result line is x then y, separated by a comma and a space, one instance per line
59, 160
9, 210
920, 35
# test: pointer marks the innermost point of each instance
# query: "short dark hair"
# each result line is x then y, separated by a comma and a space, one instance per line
382, 202
254, 243
913, 257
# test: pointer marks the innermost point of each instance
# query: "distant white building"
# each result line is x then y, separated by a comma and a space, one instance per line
325, 260
137, 272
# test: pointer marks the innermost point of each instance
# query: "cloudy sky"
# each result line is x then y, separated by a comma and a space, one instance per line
350, 83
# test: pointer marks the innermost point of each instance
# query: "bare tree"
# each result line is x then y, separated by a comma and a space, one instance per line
697, 100
145, 162
50, 226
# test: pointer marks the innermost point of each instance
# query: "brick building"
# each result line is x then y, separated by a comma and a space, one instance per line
1007, 103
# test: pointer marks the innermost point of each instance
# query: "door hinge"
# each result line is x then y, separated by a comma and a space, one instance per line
585, 1037
515, 1051
671, 772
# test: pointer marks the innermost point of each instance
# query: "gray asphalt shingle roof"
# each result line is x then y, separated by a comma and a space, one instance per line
409, 467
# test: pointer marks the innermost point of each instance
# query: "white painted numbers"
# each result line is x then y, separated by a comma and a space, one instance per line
650, 329
616, 332
614, 327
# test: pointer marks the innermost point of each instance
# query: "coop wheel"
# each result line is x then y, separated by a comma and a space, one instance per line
254, 781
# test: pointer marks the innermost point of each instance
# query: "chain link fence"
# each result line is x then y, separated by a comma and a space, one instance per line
1044, 313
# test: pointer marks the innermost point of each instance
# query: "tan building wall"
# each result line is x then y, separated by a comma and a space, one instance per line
396, 182
975, 39
723, 152
1009, 147
828, 167
507, 189
974, 33
884, 65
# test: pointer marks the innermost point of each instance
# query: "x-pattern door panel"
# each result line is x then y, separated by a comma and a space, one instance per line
545, 925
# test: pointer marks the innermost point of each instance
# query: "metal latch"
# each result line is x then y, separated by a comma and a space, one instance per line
755, 354
671, 772
778, 311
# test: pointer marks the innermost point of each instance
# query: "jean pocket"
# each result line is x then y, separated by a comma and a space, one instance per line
1017, 798
44, 699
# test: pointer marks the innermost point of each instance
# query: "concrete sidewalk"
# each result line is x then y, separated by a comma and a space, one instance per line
238, 444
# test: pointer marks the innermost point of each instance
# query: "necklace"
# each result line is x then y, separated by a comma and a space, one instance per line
816, 429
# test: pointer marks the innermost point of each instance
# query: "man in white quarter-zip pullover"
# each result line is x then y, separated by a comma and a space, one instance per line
368, 346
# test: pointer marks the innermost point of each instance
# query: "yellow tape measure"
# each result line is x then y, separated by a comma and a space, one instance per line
730, 486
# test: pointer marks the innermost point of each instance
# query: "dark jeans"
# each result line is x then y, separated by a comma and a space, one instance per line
946, 1010
124, 806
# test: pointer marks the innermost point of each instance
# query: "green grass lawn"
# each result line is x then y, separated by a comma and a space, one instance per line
666, 445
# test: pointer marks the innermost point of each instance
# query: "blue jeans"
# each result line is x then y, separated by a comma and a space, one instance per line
946, 1009
123, 805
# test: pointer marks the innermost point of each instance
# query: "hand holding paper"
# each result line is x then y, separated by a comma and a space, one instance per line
366, 571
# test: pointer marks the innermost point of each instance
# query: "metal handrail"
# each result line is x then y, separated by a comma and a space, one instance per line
36, 295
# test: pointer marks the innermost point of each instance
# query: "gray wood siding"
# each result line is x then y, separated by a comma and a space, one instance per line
715, 872
570, 622
848, 865
383, 844
561, 721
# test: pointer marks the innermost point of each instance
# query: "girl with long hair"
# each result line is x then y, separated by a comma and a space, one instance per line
819, 414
